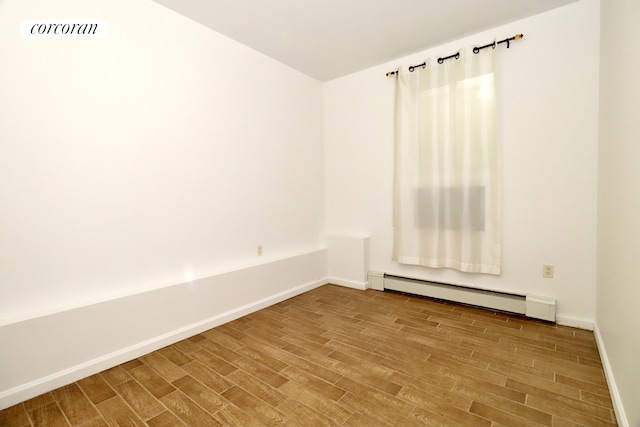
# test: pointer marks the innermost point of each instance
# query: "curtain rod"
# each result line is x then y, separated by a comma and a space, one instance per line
457, 54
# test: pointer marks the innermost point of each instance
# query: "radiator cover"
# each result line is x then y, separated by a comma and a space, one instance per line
530, 305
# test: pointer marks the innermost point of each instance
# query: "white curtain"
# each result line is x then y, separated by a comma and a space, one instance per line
447, 192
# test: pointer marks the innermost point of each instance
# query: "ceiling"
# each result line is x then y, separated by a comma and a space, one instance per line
327, 39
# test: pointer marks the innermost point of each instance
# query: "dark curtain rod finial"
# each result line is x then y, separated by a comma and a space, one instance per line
516, 37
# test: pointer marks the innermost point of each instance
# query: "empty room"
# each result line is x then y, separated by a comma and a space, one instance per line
355, 213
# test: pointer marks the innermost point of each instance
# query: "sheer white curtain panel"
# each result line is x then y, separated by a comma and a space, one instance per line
447, 183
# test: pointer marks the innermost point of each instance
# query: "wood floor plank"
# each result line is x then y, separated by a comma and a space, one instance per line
335, 356
139, 399
485, 386
231, 415
132, 364
117, 413
96, 388
505, 418
271, 395
165, 419
573, 370
566, 413
115, 375
208, 377
74, 404
255, 407
187, 347
187, 411
423, 379
440, 404
152, 381
317, 358
214, 362
261, 372
48, 415
206, 398
38, 401
163, 366
569, 402
374, 396
96, 422
304, 415
337, 338
539, 381
430, 418
358, 419
497, 355
596, 399
175, 355
228, 341
314, 383
583, 385
316, 400
266, 335
262, 358
377, 414
219, 350
503, 406
15, 416
297, 361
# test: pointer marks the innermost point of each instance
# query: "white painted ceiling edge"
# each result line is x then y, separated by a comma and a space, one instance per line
327, 39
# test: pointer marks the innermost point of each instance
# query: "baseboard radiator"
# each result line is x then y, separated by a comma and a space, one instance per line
529, 305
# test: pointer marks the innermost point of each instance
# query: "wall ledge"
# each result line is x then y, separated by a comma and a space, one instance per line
104, 335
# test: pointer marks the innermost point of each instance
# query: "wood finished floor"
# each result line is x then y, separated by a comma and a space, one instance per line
339, 356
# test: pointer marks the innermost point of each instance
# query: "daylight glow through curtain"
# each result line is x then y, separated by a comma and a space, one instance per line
447, 165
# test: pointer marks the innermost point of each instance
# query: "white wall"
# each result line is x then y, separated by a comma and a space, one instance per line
161, 153
549, 135
138, 175
619, 201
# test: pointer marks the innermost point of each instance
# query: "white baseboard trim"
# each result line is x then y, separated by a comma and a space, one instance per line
575, 322
347, 283
51, 378
611, 382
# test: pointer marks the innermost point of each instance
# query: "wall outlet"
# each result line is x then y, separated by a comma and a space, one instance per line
259, 250
547, 271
